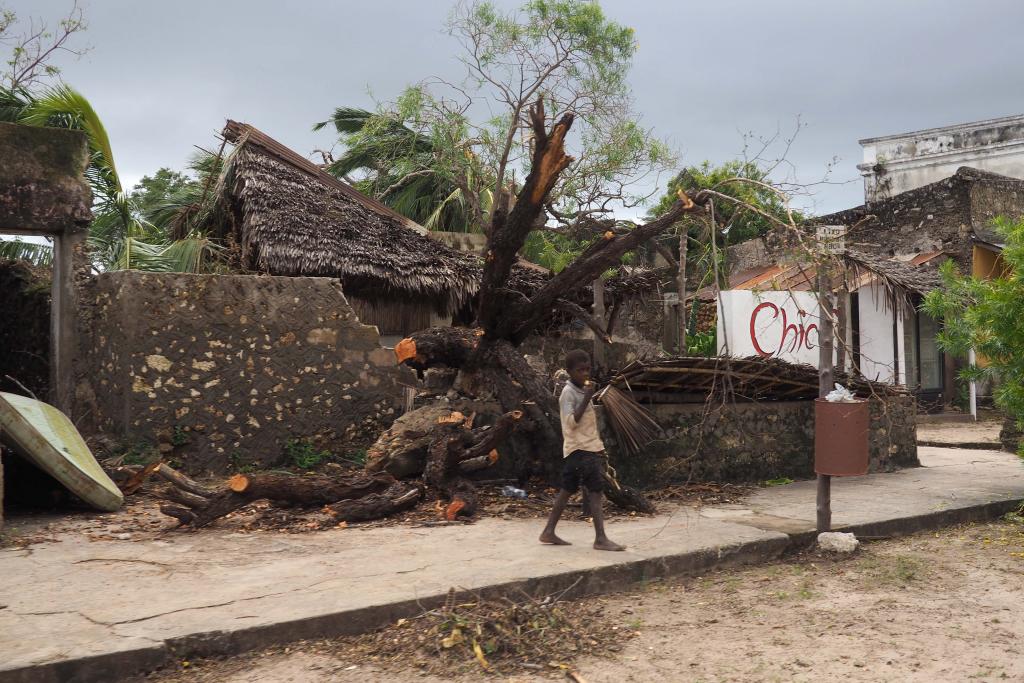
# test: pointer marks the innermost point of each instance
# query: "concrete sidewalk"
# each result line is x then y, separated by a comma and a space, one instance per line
83, 610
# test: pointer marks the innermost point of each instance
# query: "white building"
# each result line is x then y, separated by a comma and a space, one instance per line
772, 311
905, 161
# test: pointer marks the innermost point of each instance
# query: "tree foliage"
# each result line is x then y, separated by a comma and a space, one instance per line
988, 316
745, 182
33, 47
449, 154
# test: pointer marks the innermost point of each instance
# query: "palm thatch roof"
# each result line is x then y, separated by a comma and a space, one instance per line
292, 218
902, 280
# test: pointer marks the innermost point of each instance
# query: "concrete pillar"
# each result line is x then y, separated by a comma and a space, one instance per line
63, 321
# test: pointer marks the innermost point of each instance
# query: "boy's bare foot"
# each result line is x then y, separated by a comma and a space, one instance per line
550, 538
606, 544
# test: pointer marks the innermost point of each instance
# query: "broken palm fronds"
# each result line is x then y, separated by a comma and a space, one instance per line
498, 636
689, 379
901, 282
633, 424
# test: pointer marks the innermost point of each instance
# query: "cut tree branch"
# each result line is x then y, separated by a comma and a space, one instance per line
522, 318
577, 311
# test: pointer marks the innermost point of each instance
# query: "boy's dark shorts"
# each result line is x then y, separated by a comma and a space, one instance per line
583, 467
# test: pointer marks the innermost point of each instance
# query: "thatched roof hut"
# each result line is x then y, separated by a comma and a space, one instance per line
289, 217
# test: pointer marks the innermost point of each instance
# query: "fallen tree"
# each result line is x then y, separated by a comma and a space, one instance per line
490, 368
455, 449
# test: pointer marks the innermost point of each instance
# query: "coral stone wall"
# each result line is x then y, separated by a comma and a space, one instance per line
220, 371
754, 442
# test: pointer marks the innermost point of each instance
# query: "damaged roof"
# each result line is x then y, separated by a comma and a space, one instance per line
902, 278
946, 215
293, 218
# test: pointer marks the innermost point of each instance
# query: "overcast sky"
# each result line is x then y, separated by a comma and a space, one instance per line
165, 75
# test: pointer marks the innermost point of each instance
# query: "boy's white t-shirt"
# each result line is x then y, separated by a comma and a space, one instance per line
582, 436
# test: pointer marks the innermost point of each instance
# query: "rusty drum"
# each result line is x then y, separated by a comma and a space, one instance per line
841, 438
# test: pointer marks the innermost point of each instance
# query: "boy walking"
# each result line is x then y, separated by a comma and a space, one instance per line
582, 451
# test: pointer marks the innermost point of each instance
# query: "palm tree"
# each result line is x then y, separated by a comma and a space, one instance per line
120, 238
398, 167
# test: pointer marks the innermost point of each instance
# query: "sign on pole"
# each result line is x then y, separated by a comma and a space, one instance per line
831, 239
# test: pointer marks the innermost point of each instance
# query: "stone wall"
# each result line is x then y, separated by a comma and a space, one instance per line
220, 371
752, 253
755, 442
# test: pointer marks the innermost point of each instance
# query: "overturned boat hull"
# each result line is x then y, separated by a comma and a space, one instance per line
45, 436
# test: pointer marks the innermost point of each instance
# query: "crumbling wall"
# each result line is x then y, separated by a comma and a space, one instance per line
636, 335
25, 331
756, 442
752, 253
991, 198
939, 216
221, 371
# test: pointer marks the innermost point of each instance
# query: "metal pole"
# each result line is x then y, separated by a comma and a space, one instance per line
826, 382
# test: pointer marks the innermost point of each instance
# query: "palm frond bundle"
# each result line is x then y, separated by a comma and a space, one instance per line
633, 424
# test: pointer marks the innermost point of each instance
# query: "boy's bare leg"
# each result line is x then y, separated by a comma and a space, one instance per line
601, 541
548, 535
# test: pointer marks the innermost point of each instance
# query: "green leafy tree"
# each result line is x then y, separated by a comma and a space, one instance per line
746, 205
153, 191
436, 150
988, 316
744, 182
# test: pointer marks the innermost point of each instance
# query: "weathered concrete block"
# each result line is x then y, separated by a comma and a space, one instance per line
42, 184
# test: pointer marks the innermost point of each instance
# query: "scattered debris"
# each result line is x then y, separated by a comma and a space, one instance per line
499, 636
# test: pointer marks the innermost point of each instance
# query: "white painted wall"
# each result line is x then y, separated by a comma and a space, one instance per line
751, 324
770, 324
912, 160
877, 361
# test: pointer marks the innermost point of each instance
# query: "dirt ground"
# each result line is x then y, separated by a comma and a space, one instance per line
932, 607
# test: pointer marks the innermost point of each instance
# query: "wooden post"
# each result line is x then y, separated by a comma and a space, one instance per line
826, 383
600, 357
842, 321
681, 287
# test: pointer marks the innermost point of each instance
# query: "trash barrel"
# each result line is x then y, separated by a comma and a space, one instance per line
841, 437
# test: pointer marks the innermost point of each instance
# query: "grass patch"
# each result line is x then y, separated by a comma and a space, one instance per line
303, 454
356, 458
893, 570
